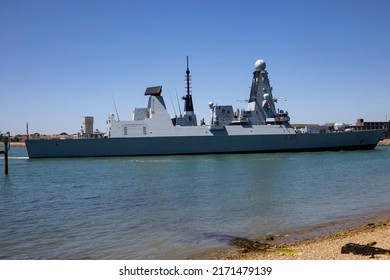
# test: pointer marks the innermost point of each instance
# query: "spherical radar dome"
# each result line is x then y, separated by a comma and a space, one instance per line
260, 65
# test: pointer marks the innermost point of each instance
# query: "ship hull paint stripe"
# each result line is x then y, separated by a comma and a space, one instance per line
109, 147
335, 149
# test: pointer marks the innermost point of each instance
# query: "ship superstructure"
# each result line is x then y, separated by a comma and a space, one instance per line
260, 127
155, 119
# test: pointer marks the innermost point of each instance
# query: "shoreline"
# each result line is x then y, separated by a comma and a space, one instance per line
369, 241
18, 144
384, 142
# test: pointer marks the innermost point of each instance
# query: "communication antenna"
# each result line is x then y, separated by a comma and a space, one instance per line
116, 110
188, 79
170, 97
178, 103
280, 98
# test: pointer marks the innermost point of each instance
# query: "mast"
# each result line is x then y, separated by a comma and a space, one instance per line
261, 100
188, 105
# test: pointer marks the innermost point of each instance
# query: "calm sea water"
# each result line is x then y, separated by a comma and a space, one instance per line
173, 207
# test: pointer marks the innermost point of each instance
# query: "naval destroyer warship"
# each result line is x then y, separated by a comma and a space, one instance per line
258, 128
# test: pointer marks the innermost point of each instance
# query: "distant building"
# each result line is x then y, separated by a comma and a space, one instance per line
362, 125
87, 125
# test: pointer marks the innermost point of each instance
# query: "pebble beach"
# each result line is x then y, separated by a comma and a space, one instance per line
373, 238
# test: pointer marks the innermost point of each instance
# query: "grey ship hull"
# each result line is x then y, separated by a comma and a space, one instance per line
186, 145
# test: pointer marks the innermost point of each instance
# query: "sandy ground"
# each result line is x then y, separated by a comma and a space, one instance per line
18, 144
384, 142
372, 239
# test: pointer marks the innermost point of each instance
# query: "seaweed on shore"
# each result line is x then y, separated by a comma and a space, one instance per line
247, 245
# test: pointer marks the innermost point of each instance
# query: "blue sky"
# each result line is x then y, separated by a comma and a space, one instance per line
61, 60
